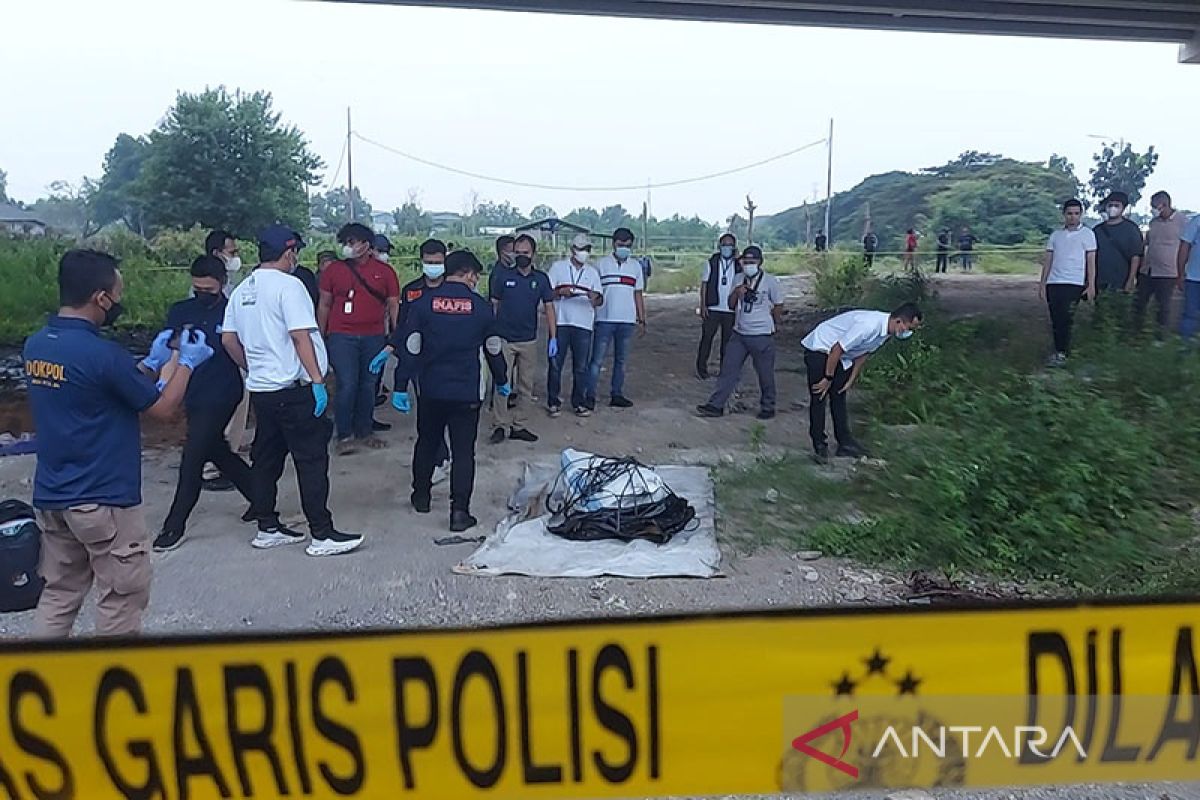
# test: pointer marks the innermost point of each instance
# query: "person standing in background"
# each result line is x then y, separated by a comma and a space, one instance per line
221, 244
1119, 247
1160, 266
576, 296
716, 283
910, 249
1188, 266
1068, 274
943, 250
966, 244
821, 242
870, 247
622, 312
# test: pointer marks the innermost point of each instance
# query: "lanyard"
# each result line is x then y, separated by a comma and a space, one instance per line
576, 277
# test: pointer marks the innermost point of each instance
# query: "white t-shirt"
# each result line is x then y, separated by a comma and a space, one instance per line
858, 332
577, 310
620, 282
1070, 249
726, 273
755, 318
262, 311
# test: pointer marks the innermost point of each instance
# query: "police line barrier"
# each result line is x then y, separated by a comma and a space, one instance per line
740, 703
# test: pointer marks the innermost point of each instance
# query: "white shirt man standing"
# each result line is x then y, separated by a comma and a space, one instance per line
715, 285
577, 293
623, 282
1068, 274
270, 330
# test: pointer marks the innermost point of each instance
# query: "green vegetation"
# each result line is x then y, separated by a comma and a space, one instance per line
1084, 477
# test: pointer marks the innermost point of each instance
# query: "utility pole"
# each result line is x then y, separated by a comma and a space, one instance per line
750, 207
349, 169
829, 188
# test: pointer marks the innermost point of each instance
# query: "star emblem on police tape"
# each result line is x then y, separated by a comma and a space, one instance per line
875, 669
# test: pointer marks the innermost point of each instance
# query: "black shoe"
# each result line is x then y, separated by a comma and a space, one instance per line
218, 484
380, 399
168, 540
461, 521
821, 454
511, 401
419, 504
275, 536
332, 543
766, 415
249, 515
620, 402
498, 436
378, 426
706, 410
702, 374
851, 449
522, 435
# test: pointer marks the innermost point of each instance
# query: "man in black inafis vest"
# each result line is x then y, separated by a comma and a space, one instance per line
715, 286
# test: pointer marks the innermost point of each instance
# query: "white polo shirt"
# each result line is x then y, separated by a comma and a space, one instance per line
620, 282
858, 332
263, 311
1068, 264
576, 311
727, 271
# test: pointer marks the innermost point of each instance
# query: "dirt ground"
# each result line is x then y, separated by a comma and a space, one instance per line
216, 583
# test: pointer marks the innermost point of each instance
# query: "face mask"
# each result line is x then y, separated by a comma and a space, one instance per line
510, 258
433, 271
623, 252
1114, 211
581, 256
726, 251
233, 264
904, 335
209, 299
383, 257
1156, 212
348, 251
751, 269
524, 262
112, 313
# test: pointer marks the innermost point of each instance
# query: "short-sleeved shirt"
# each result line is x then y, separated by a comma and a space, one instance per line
1191, 235
910, 242
1162, 246
966, 241
86, 394
218, 381
1116, 247
355, 310
311, 284
754, 318
518, 299
858, 332
263, 311
577, 310
1068, 264
620, 283
409, 294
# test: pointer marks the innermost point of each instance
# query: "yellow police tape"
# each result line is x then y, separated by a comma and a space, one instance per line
743, 703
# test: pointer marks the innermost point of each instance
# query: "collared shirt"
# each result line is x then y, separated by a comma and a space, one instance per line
218, 381
518, 297
727, 270
1162, 245
577, 310
858, 332
410, 293
263, 311
1069, 249
620, 282
356, 311
86, 393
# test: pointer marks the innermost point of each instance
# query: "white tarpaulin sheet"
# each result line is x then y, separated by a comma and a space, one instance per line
521, 545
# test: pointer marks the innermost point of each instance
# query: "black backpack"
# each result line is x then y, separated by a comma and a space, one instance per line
20, 550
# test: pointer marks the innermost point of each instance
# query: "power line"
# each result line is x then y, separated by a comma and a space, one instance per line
554, 188
338, 171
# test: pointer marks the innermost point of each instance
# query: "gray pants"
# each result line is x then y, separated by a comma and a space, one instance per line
761, 349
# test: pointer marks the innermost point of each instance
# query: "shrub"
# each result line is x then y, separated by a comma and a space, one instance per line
839, 282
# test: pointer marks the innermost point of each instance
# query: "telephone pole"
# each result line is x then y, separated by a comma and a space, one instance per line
349, 169
829, 188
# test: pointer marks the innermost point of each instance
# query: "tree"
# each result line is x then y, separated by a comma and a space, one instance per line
412, 220
613, 217
542, 212
3, 186
225, 160
69, 207
115, 198
585, 217
497, 214
1123, 170
333, 207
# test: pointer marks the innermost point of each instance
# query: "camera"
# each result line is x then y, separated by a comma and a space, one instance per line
749, 298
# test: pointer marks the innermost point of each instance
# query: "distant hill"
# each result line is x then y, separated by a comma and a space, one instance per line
1004, 201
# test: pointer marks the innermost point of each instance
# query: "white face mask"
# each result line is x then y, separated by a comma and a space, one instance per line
751, 269
581, 256
347, 251
233, 264
383, 257
1114, 211
904, 335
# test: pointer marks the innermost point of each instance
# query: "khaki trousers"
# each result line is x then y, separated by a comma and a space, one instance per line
521, 359
90, 544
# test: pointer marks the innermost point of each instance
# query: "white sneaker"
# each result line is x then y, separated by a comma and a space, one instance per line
440, 473
277, 537
1057, 360
334, 543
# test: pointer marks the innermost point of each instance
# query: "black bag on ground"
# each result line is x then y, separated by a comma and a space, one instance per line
20, 550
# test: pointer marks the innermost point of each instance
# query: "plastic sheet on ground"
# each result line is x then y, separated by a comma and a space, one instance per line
521, 545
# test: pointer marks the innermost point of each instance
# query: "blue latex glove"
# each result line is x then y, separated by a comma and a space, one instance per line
160, 352
553, 348
400, 402
378, 362
505, 389
160, 384
320, 398
193, 349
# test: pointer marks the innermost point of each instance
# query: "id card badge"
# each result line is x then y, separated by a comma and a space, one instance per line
349, 306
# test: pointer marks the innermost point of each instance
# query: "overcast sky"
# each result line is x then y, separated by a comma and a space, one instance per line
582, 100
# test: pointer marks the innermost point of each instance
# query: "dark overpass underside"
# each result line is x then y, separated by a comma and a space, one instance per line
1168, 21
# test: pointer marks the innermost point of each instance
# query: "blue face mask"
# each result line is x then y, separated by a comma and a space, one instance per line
904, 335
726, 251
623, 252
433, 271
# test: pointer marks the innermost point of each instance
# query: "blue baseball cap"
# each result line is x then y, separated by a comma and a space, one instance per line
382, 244
277, 238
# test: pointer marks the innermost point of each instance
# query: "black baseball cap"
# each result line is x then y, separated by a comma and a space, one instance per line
753, 251
1119, 197
382, 244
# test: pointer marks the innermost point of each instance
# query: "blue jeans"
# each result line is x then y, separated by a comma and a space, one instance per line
1190, 322
576, 343
619, 333
354, 403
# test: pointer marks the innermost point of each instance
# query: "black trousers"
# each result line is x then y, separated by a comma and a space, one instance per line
1163, 291
206, 442
715, 321
814, 363
285, 425
1062, 299
434, 419
943, 260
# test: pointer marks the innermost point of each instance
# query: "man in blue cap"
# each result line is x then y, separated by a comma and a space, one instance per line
270, 331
